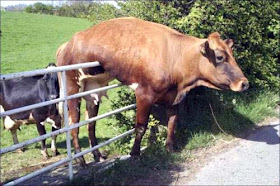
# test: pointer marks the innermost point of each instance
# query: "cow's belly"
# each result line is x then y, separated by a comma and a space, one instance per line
13, 124
90, 82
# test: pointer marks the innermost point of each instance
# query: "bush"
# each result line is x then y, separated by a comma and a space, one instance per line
254, 27
75, 9
40, 8
155, 11
100, 12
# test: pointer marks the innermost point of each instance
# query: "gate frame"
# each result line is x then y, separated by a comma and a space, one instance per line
67, 128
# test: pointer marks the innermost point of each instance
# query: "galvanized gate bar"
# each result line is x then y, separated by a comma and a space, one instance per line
94, 91
104, 143
60, 131
38, 172
30, 107
67, 159
67, 127
46, 103
65, 112
48, 70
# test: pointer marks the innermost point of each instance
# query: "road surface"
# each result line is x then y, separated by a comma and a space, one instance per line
255, 161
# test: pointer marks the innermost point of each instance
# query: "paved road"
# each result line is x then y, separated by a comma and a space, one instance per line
254, 162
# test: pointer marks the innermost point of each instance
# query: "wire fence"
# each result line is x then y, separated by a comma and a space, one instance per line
67, 128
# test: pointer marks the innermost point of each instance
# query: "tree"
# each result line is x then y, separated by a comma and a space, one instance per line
40, 8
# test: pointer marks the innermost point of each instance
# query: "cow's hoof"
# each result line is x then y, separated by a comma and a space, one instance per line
135, 159
56, 153
82, 162
45, 154
169, 148
104, 157
20, 150
46, 157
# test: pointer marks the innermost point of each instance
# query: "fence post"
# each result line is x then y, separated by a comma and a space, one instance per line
65, 115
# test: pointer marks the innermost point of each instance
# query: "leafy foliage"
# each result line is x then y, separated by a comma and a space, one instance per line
254, 27
75, 9
98, 12
156, 11
40, 8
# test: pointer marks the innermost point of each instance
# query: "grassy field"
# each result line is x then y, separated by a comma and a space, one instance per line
29, 42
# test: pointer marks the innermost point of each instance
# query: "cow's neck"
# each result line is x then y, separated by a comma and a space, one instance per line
186, 68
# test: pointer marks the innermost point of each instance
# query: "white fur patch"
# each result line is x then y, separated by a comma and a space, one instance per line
134, 86
51, 67
49, 120
8, 122
96, 98
90, 82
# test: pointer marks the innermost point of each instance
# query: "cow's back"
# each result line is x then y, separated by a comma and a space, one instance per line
131, 49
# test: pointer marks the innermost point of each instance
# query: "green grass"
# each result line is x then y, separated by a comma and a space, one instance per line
29, 42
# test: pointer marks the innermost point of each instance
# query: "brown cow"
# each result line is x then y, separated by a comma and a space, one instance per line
161, 64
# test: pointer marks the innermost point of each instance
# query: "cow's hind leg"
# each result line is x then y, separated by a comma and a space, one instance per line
53, 145
92, 111
74, 117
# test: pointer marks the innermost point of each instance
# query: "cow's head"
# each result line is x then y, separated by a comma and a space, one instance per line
218, 65
51, 83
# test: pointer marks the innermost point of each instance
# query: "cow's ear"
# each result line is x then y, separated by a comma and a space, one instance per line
229, 42
204, 47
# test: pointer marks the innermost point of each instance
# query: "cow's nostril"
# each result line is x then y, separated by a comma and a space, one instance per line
245, 85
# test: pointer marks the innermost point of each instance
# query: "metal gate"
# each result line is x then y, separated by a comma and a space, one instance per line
67, 128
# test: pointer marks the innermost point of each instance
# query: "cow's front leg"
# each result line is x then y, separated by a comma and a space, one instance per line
74, 117
15, 138
41, 130
172, 115
144, 101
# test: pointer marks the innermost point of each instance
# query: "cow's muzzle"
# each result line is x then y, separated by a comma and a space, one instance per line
241, 85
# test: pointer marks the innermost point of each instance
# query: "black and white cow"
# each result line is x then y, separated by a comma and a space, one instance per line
21, 92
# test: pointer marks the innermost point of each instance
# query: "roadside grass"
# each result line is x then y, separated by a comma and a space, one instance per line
153, 159
30, 41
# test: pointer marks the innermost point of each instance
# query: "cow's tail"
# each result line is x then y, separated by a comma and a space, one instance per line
59, 57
